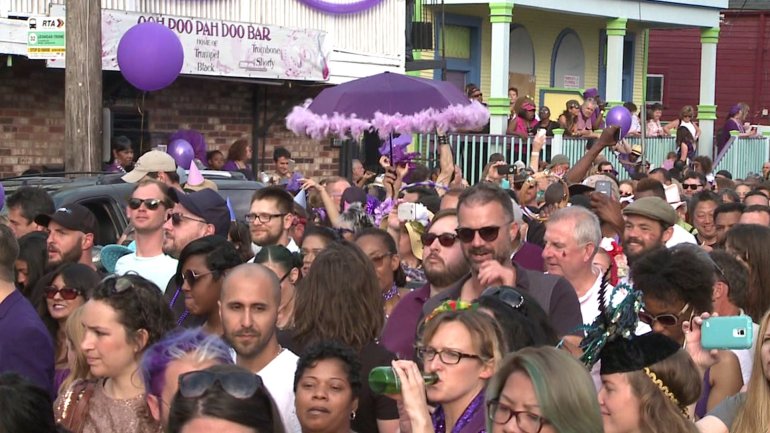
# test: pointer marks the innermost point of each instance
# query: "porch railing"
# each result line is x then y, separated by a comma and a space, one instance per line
472, 151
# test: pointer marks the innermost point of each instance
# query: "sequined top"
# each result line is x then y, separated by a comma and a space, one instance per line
109, 415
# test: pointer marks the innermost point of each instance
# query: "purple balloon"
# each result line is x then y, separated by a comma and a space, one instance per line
150, 56
2, 196
182, 152
619, 116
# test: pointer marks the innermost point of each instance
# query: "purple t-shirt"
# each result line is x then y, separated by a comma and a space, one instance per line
529, 256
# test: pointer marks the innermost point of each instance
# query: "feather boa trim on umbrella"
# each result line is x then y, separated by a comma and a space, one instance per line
302, 121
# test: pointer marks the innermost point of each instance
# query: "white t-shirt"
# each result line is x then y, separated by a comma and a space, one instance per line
278, 377
158, 269
680, 236
589, 302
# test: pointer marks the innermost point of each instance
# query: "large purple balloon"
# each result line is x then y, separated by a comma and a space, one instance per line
619, 116
182, 152
150, 56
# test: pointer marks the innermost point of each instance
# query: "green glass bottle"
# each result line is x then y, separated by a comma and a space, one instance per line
384, 380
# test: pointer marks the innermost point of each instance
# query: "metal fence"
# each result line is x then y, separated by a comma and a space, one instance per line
471, 152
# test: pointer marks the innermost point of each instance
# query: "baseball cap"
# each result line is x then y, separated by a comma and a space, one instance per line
72, 217
654, 208
151, 162
206, 204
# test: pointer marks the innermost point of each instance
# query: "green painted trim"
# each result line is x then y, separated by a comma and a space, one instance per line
499, 106
417, 55
766, 133
734, 133
611, 104
563, 90
558, 131
707, 112
616, 26
501, 12
645, 65
709, 35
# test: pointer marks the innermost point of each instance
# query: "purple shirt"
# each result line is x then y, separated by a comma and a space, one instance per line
26, 346
400, 330
529, 256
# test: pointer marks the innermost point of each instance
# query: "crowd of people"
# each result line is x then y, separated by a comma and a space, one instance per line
484, 299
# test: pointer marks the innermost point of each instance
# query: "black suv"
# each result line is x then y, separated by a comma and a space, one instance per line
106, 195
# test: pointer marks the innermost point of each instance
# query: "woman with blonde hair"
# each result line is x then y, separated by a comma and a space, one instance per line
463, 348
76, 360
542, 390
747, 412
686, 120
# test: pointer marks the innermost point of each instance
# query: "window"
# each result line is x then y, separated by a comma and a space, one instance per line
654, 88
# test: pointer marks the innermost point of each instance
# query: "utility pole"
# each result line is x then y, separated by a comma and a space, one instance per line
83, 87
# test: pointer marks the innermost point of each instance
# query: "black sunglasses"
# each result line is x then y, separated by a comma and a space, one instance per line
149, 203
506, 294
66, 293
445, 239
690, 186
488, 233
176, 218
191, 277
240, 385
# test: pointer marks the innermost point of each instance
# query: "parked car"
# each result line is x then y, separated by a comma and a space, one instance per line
106, 195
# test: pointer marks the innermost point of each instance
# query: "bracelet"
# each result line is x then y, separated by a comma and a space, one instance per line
442, 139
534, 153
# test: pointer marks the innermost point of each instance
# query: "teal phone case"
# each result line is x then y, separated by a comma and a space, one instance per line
728, 332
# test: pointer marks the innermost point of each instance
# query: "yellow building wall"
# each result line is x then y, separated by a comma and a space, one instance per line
544, 28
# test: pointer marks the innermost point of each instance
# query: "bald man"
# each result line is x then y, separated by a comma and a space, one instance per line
248, 307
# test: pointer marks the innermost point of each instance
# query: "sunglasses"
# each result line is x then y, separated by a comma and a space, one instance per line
191, 277
506, 294
668, 320
149, 203
626, 194
445, 239
240, 385
690, 186
488, 233
67, 293
176, 218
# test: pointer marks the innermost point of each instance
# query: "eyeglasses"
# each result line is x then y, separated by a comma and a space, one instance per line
191, 277
526, 421
488, 233
668, 320
445, 239
176, 218
506, 294
690, 186
263, 218
626, 194
448, 357
66, 293
608, 171
240, 385
572, 107
149, 203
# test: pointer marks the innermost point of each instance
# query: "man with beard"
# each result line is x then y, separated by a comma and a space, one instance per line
248, 306
649, 225
147, 210
485, 228
270, 218
194, 216
444, 265
71, 235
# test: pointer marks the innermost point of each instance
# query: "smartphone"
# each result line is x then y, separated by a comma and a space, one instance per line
727, 332
541, 132
507, 169
407, 212
604, 187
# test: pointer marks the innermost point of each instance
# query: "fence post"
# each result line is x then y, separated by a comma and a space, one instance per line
557, 142
766, 153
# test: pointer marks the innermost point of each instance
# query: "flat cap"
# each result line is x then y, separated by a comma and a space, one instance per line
654, 208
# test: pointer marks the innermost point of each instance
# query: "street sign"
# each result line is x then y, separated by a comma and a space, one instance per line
46, 37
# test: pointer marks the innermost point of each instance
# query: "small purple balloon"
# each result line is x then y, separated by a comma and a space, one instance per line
619, 116
2, 196
182, 152
150, 56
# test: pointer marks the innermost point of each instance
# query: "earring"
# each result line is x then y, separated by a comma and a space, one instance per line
352, 415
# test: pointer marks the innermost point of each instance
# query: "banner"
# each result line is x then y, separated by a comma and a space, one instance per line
231, 49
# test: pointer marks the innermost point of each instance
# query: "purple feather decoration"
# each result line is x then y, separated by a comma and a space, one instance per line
293, 184
400, 155
371, 205
382, 210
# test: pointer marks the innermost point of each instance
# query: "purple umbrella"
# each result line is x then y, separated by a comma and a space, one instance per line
391, 104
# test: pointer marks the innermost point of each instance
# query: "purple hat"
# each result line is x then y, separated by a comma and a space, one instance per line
208, 205
735, 109
593, 92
